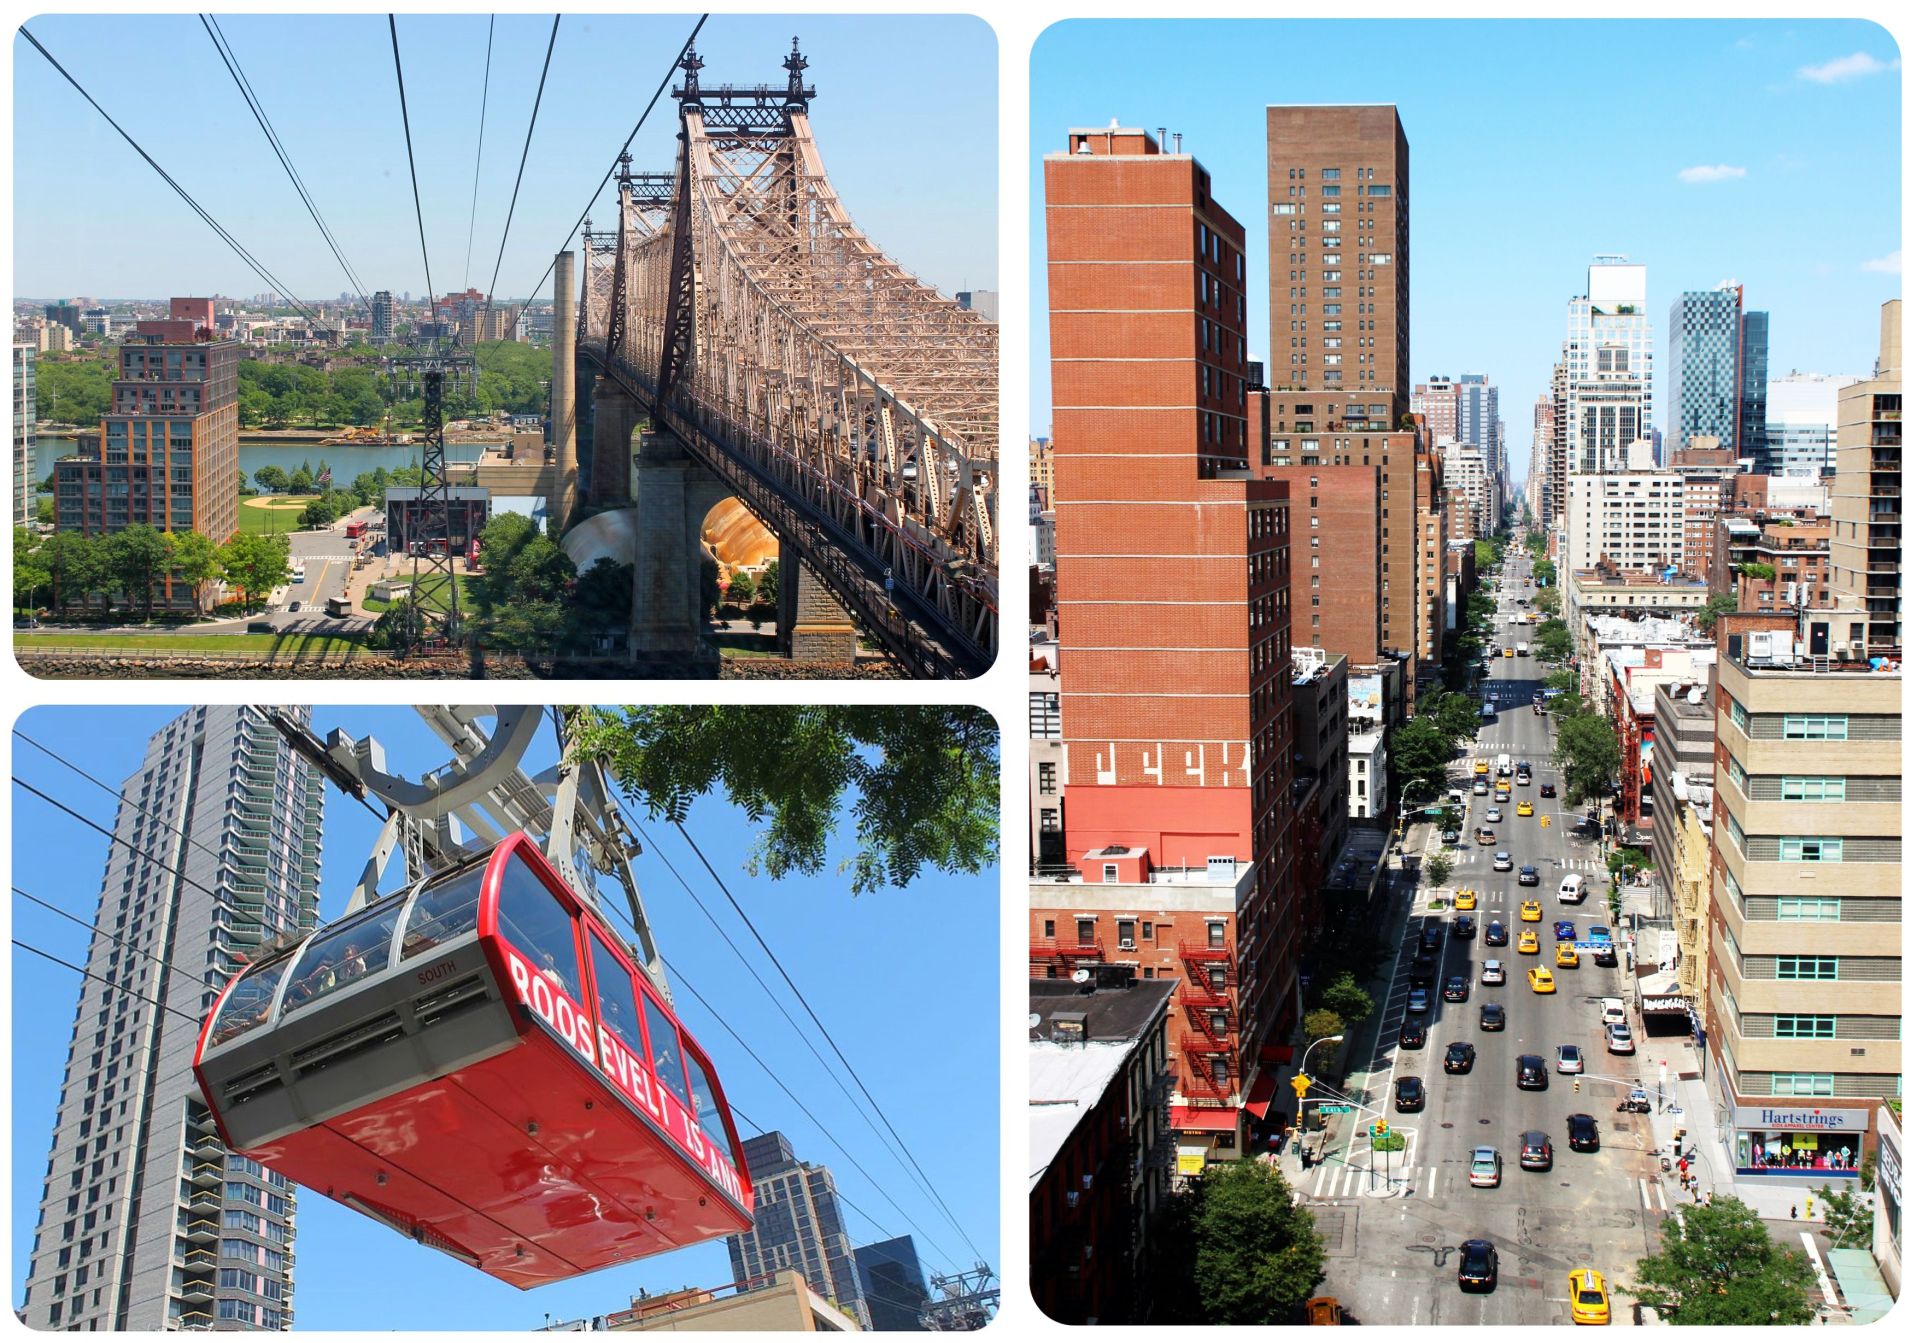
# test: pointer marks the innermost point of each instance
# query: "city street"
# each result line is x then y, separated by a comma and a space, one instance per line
1393, 1242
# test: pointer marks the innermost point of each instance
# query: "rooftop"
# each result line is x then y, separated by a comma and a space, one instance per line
1066, 1080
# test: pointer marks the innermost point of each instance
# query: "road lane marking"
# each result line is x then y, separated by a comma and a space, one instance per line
1646, 1202
1826, 1287
1433, 1177
1660, 1193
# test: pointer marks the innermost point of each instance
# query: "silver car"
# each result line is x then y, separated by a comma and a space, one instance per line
1483, 1170
1568, 1059
1495, 814
1619, 1039
1503, 862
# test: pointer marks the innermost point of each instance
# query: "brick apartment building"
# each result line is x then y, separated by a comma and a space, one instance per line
1173, 601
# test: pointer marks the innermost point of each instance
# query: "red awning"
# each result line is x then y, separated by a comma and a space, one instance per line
1191, 1117
1276, 1053
1262, 1094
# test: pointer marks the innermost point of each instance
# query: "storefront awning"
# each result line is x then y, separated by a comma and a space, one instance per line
1669, 1006
1211, 1121
1262, 1094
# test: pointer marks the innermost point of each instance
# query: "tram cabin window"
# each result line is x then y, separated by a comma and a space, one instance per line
443, 910
539, 926
248, 1004
667, 1065
615, 988
706, 1105
341, 955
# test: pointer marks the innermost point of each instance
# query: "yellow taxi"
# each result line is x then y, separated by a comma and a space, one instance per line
1529, 911
1529, 943
1502, 790
1540, 979
1565, 956
1479, 767
1524, 809
1464, 898
1509, 652
1587, 1293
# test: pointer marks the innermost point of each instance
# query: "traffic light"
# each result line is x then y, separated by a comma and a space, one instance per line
1379, 1128
1576, 1086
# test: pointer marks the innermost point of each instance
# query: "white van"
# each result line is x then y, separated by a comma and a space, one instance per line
1573, 889
1504, 766
1613, 1012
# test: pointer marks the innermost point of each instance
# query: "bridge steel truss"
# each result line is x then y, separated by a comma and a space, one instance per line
850, 405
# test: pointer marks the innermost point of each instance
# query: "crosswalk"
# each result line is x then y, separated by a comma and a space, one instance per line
1481, 857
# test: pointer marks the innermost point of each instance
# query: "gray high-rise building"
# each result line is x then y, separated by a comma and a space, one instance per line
382, 318
797, 1225
1752, 431
891, 1279
26, 416
1703, 351
146, 1221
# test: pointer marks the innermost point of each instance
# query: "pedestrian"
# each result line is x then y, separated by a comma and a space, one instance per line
1793, 1212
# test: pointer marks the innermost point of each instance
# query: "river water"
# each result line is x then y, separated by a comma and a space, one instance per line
347, 462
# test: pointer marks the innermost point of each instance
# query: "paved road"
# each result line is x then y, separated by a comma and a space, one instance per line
1394, 1244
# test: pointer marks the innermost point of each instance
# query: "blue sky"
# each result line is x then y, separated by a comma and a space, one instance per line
91, 218
1535, 145
932, 1062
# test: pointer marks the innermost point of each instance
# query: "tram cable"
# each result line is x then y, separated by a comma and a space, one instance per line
253, 263
232, 60
473, 210
406, 125
119, 988
513, 201
574, 232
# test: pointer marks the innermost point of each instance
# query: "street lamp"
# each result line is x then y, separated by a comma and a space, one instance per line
1301, 1081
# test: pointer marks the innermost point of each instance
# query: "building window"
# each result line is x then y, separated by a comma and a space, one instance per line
1794, 788
1046, 927
1738, 713
1815, 727
1807, 967
1803, 1084
1083, 931
1048, 784
1798, 1027
1049, 820
1216, 935
1809, 909
1805, 849
1043, 714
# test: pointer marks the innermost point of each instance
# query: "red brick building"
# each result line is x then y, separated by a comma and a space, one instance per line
1172, 593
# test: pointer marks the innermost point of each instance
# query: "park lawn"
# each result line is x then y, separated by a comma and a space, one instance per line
257, 518
744, 645
462, 583
292, 644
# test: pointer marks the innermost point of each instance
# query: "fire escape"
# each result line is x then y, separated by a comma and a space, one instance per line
1211, 1041
1063, 955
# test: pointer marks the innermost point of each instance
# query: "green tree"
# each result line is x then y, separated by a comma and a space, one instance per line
301, 482
398, 628
920, 783
1758, 569
1547, 601
1588, 754
1256, 1254
43, 512
137, 558
740, 588
1552, 642
1439, 870
1543, 571
767, 587
318, 513
76, 567
30, 573
1848, 1218
78, 390
272, 479
1320, 1023
1722, 1266
1485, 556
1719, 604
1420, 752
197, 560
256, 565
1453, 713
1345, 997
602, 603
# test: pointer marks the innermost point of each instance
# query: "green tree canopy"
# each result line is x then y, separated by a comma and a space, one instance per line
1345, 997
766, 588
1547, 601
1420, 751
1319, 1024
1439, 870
256, 564
1543, 570
1588, 754
76, 566
1552, 642
921, 783
1719, 604
399, 627
137, 558
1256, 1254
1454, 714
1848, 1218
197, 560
77, 390
30, 573
740, 588
1718, 1264
602, 602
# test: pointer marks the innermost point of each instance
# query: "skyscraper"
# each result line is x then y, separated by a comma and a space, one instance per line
1803, 416
146, 1221
1753, 390
1609, 361
26, 414
1866, 500
383, 317
797, 1225
1337, 250
1704, 382
895, 1287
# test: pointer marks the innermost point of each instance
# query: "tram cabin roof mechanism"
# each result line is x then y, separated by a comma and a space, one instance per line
477, 1062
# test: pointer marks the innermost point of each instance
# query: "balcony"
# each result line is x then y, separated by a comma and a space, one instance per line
197, 1289
203, 1230
207, 1173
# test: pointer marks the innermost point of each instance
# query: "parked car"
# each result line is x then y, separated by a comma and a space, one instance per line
1567, 1059
1423, 972
1493, 1017
1503, 861
1459, 1058
1583, 1133
1455, 989
1496, 934
1529, 875
1536, 1150
1413, 1035
1483, 1169
1530, 1073
1619, 1038
1409, 1093
1479, 1266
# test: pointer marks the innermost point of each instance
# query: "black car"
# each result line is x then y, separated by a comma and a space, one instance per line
1409, 1093
1413, 1035
1536, 1150
1547, 790
1459, 1057
1530, 1073
1431, 933
1463, 926
1496, 934
1583, 1134
1425, 967
1455, 989
1479, 1266
1529, 875
1493, 1017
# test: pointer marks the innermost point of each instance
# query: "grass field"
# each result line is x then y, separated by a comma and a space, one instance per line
375, 606
291, 645
268, 513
